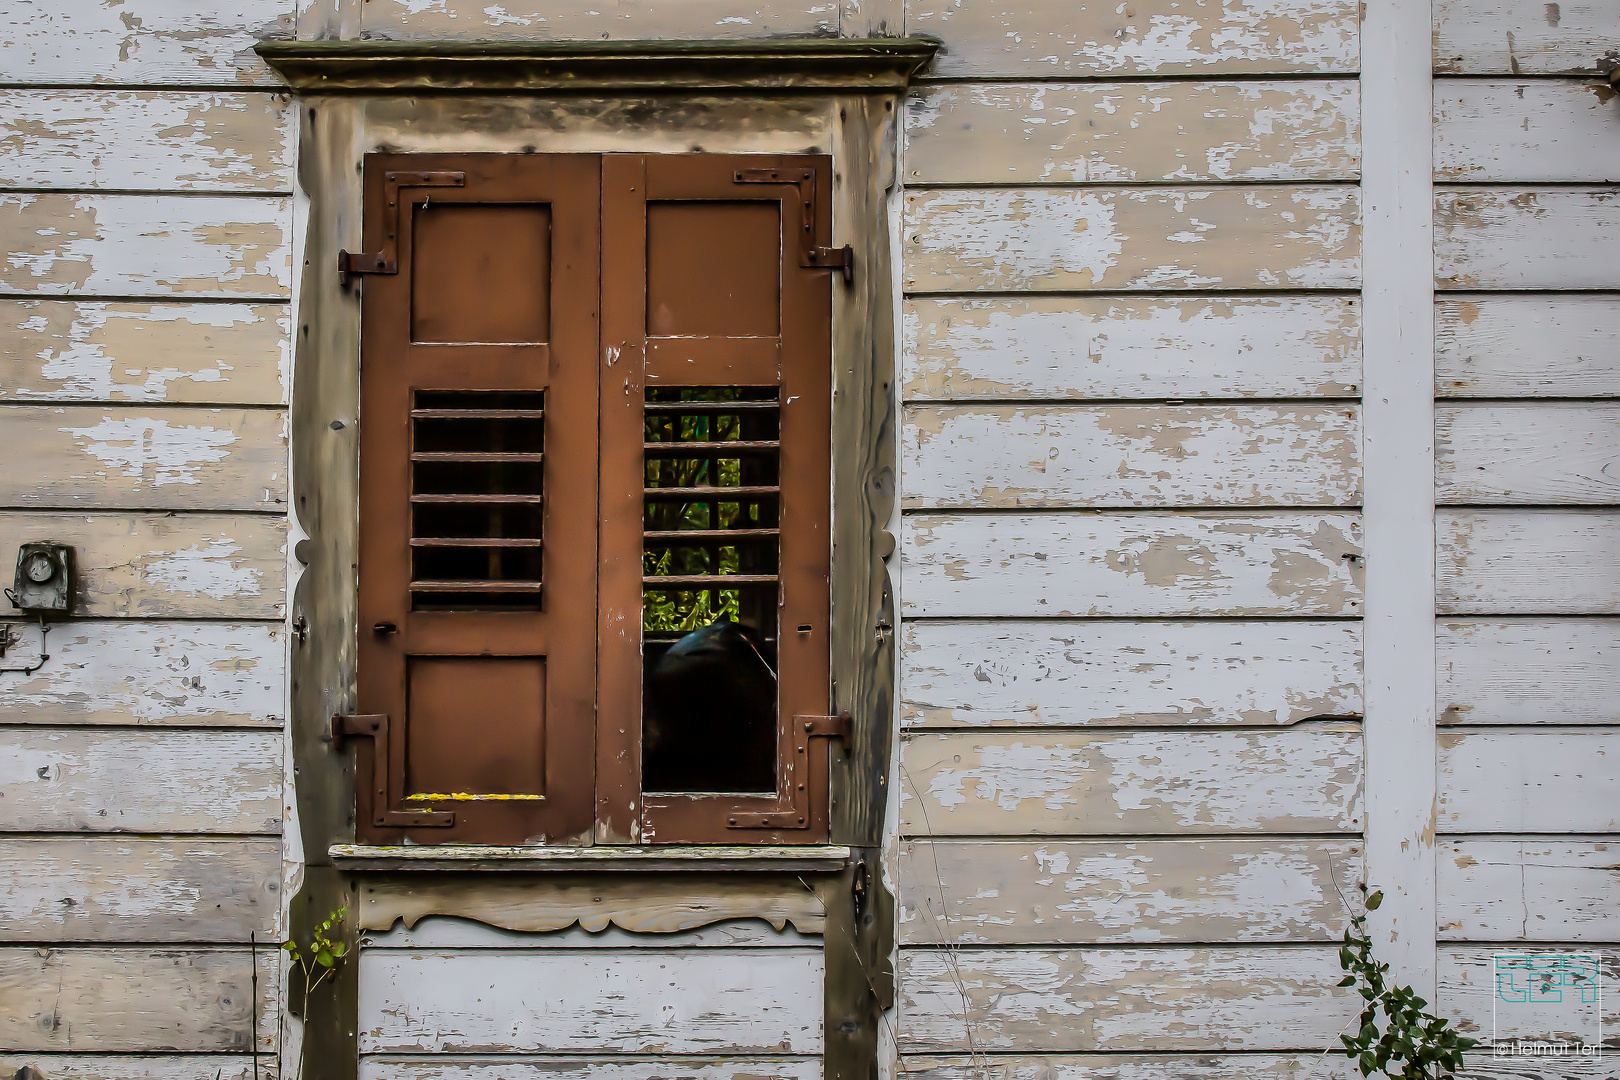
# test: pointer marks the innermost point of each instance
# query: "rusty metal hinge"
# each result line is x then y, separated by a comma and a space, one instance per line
386, 261
375, 726
810, 256
793, 806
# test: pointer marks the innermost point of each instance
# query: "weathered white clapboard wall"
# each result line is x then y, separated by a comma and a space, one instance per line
1131, 539
1527, 462
147, 342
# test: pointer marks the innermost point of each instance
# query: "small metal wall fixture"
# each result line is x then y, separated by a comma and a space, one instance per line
44, 584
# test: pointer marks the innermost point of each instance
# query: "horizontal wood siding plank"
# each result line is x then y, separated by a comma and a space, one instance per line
1467, 989
180, 566
97, 457
1525, 238
999, 133
1072, 348
562, 20
1504, 37
442, 1067
1062, 564
1564, 453
65, 350
142, 781
1308, 1066
1528, 890
704, 1001
1061, 239
131, 999
1525, 131
158, 891
1163, 892
1527, 562
1527, 346
143, 1066
1532, 671
1151, 456
1057, 38
161, 140
1292, 780
146, 245
145, 42
1505, 781
1121, 999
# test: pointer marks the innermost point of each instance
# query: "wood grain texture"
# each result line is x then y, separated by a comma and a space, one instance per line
704, 1001
143, 781
96, 457
1527, 562
1294, 780
158, 140
1062, 564
444, 1067
1000, 133
1527, 346
1528, 781
1138, 1066
1051, 239
1163, 892
1502, 37
1150, 456
1525, 238
986, 673
146, 245
208, 566
156, 891
64, 350
1529, 890
1564, 454
152, 42
134, 999
1523, 132
143, 1066
1468, 985
1070, 348
559, 20
1529, 671
1057, 38
1121, 999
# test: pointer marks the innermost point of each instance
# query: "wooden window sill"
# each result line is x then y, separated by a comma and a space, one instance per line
824, 857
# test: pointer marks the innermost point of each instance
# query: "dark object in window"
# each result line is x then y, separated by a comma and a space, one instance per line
710, 721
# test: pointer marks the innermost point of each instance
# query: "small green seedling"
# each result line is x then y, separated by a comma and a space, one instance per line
316, 965
1414, 1045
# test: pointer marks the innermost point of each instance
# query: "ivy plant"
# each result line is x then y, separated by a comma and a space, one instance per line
316, 965
1413, 1044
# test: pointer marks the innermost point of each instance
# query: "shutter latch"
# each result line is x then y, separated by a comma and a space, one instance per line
374, 726
810, 256
396, 215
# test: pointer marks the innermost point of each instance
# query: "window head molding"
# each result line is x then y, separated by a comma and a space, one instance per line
818, 65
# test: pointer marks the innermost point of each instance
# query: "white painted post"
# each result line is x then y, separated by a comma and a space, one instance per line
1398, 401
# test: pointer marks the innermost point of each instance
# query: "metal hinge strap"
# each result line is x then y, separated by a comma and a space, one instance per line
386, 261
810, 256
793, 810
375, 726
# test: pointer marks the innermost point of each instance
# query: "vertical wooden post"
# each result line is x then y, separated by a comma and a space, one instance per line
1398, 417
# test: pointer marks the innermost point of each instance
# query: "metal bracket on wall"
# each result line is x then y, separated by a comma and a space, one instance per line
386, 261
375, 726
810, 256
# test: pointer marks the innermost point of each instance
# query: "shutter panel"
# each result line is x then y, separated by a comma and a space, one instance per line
715, 480
477, 659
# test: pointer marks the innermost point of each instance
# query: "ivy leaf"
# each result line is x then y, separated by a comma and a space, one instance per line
1374, 900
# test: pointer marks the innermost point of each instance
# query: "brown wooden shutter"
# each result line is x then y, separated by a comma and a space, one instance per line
477, 659
716, 334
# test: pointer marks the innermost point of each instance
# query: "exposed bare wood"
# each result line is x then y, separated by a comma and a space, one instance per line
1116, 347
1565, 454
1122, 999
147, 781
1468, 986
1534, 130
130, 999
999, 133
102, 890
1291, 780
650, 1001
558, 20
1525, 238
1069, 893
1529, 890
440, 1067
59, 457
1047, 239
1129, 1067
1542, 671
1048, 38
157, 245
1170, 456
143, 1066
1527, 346
986, 673
1527, 781
1131, 564
1502, 37
163, 140
166, 565
1527, 562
